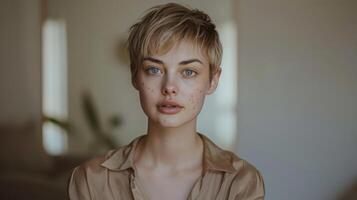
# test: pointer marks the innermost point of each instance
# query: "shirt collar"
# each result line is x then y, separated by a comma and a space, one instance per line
215, 158
122, 158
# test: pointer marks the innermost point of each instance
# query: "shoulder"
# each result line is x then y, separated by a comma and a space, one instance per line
81, 178
95, 167
248, 183
87, 171
90, 171
91, 176
244, 180
88, 177
243, 170
116, 159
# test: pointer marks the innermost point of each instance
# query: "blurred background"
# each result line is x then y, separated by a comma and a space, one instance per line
286, 101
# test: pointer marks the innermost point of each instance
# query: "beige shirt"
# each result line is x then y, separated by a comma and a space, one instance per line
112, 177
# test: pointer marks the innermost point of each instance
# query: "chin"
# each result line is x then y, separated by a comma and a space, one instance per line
170, 123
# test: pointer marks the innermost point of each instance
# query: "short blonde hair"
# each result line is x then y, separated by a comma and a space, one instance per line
165, 25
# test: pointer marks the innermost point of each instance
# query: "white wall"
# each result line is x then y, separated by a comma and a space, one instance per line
297, 112
20, 61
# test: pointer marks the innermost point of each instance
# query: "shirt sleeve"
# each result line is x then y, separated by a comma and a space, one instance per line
248, 184
78, 187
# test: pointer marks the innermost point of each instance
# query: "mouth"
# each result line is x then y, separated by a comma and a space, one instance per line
169, 107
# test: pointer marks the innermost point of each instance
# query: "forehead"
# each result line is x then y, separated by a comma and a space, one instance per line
185, 49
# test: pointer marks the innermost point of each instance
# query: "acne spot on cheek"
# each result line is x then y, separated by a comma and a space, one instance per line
191, 98
150, 89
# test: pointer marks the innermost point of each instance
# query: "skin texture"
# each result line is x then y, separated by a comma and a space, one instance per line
169, 159
162, 77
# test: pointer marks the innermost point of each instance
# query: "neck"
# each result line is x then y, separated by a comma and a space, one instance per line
173, 148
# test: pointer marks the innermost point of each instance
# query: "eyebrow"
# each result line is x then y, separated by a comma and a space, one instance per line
185, 62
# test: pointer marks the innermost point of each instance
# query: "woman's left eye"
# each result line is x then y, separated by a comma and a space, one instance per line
189, 73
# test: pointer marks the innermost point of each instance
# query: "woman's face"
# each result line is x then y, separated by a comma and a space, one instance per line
173, 86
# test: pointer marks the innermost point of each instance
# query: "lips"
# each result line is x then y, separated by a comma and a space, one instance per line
169, 107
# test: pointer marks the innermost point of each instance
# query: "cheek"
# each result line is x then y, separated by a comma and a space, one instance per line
146, 89
149, 90
148, 93
196, 99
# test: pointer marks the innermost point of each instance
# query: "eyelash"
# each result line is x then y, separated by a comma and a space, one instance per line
150, 70
193, 73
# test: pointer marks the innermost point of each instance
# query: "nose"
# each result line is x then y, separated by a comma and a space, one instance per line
169, 87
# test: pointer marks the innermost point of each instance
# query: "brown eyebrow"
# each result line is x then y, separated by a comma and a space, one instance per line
185, 62
153, 60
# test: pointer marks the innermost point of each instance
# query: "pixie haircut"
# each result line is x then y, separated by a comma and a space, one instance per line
165, 25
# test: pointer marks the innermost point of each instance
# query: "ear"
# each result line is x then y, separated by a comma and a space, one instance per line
214, 81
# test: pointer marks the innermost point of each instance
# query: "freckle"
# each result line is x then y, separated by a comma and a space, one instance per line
191, 98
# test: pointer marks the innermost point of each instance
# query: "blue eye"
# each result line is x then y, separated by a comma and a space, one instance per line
153, 70
189, 73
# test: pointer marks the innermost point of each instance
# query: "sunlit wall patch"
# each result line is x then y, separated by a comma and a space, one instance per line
218, 119
54, 86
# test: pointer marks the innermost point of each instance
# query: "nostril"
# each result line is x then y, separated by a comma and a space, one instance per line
168, 91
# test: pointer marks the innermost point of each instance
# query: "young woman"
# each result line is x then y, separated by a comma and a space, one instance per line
175, 56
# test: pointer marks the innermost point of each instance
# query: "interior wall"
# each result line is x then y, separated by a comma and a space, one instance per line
20, 61
297, 95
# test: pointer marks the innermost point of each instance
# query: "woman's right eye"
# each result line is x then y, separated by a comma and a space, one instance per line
153, 70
